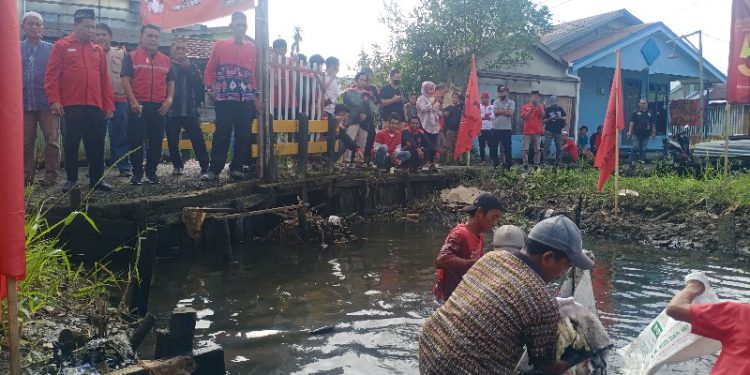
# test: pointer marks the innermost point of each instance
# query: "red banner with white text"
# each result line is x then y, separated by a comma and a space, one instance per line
170, 14
738, 79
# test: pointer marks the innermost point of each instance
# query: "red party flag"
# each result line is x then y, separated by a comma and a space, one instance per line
614, 121
471, 119
12, 238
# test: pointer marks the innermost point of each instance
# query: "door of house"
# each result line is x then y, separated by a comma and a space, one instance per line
632, 93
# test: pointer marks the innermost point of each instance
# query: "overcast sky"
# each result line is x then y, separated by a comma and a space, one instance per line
342, 27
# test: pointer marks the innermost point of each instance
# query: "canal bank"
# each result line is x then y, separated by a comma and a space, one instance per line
151, 227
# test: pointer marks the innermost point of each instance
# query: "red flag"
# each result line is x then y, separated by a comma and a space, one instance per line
171, 14
614, 121
471, 119
12, 239
738, 77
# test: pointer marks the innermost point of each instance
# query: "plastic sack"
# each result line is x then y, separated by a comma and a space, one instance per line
667, 341
579, 329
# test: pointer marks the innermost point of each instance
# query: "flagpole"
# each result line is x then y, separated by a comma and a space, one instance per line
617, 147
726, 141
468, 159
14, 340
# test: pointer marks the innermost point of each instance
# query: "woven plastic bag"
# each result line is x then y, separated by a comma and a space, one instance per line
667, 341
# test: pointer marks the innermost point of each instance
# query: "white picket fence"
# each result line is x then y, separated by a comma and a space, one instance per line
295, 89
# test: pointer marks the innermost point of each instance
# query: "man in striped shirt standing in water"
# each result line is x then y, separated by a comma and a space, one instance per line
502, 305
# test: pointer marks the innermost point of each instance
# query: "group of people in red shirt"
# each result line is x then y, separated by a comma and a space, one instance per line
138, 95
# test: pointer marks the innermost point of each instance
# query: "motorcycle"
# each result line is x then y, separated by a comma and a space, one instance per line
677, 150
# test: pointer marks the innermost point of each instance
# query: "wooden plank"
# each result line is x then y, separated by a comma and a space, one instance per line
318, 126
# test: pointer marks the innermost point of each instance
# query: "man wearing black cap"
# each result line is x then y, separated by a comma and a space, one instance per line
502, 305
78, 85
230, 79
465, 244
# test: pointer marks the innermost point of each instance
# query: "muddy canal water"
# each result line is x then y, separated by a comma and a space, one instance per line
376, 294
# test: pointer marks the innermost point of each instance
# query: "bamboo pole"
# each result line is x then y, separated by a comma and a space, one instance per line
617, 157
14, 339
726, 141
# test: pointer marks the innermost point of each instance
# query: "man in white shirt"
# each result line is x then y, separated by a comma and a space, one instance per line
488, 117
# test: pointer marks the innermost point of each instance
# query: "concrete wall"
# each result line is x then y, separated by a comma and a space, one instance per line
541, 72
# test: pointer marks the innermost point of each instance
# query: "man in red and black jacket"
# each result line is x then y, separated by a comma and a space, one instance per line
231, 81
413, 140
148, 80
77, 84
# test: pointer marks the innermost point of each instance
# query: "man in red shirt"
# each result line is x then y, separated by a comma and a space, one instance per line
230, 80
532, 114
77, 84
387, 145
726, 322
569, 149
465, 244
148, 81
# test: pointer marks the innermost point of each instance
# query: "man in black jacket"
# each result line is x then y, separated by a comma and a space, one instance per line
188, 93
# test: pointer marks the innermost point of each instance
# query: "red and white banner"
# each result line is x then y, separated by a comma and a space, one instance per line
171, 14
738, 79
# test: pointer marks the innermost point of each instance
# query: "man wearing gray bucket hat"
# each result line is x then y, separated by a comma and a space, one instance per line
501, 305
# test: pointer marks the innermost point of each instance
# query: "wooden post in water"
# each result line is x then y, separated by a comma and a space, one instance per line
261, 67
146, 246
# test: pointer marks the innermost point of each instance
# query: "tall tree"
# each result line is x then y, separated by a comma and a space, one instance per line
440, 36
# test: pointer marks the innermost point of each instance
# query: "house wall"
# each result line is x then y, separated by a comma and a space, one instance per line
596, 84
123, 16
683, 65
549, 76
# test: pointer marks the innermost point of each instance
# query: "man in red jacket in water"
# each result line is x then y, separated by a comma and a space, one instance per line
465, 244
726, 322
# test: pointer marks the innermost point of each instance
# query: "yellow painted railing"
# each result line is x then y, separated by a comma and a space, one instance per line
279, 126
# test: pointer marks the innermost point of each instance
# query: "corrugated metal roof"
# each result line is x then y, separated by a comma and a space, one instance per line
565, 29
603, 41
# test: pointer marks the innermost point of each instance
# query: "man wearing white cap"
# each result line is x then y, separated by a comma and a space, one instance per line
509, 238
502, 304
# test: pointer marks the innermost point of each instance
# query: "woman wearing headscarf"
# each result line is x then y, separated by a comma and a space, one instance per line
428, 110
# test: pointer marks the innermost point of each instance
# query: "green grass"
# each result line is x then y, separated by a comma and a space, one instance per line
657, 190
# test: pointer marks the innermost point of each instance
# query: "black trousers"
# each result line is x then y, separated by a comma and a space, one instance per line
84, 123
193, 132
148, 127
237, 117
506, 142
431, 146
493, 141
484, 137
414, 162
